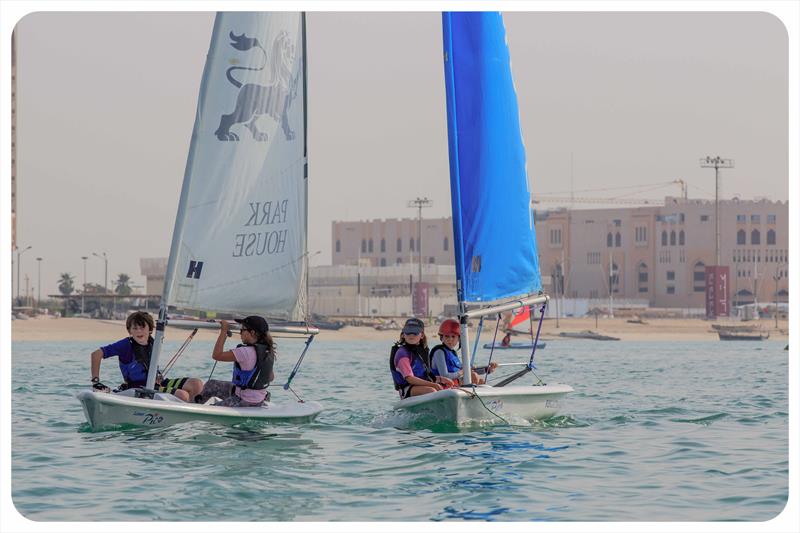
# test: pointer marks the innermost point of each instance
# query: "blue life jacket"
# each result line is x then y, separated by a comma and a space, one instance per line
419, 364
135, 372
259, 376
450, 357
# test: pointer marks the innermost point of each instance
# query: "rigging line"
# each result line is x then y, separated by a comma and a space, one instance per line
299, 399
297, 365
662, 184
212, 371
491, 351
175, 357
475, 344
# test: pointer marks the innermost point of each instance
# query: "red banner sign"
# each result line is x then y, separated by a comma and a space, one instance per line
717, 289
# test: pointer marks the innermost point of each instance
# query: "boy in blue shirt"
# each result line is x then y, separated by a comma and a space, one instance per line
133, 354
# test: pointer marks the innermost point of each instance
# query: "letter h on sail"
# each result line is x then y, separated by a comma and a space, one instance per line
195, 268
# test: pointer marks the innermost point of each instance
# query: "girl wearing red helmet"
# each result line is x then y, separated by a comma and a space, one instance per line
445, 361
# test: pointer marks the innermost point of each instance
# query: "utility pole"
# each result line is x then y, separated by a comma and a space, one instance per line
39, 282
419, 203
716, 163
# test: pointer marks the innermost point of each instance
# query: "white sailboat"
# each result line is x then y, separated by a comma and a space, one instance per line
495, 244
239, 243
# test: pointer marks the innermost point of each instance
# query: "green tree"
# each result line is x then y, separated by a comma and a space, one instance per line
66, 284
123, 287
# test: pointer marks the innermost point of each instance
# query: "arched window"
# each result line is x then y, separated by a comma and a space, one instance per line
618, 240
609, 240
642, 277
771, 237
672, 238
755, 237
699, 277
383, 261
741, 237
383, 245
399, 260
431, 260
363, 246
681, 238
369, 246
411, 244
399, 245
338, 246
663, 238
446, 244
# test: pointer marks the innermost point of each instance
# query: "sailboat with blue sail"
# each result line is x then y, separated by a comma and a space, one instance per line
497, 266
239, 243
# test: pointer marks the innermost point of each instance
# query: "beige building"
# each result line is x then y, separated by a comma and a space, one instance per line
659, 253
653, 254
389, 242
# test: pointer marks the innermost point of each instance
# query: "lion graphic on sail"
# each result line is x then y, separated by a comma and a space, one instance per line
256, 100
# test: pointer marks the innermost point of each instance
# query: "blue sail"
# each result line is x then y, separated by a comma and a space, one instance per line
495, 240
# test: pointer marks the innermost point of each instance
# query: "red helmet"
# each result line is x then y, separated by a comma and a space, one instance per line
450, 327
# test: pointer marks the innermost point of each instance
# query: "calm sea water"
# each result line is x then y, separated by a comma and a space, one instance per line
654, 431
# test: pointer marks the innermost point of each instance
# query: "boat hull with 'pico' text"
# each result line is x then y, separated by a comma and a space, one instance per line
484, 404
107, 410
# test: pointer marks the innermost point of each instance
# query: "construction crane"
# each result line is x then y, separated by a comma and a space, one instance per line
546, 199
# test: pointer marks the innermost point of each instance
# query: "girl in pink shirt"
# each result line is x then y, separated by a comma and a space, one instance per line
253, 363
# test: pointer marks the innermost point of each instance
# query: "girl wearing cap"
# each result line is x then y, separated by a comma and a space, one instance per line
252, 360
444, 359
409, 362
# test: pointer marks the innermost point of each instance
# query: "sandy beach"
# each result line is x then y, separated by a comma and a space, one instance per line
84, 329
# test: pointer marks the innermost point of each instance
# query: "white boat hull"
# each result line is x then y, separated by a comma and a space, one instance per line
486, 404
104, 410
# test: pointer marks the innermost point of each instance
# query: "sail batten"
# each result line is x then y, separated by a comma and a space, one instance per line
493, 226
240, 238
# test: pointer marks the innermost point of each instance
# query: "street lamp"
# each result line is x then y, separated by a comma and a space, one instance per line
19, 254
83, 292
104, 258
39, 282
419, 203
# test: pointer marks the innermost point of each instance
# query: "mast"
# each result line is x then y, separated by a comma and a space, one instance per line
161, 323
307, 310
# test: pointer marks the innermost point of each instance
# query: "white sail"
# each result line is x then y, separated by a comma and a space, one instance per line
240, 237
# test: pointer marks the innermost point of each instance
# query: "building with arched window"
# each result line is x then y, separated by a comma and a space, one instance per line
665, 271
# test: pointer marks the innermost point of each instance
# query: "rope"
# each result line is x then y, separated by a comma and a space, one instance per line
475, 345
476, 395
491, 350
180, 351
212, 371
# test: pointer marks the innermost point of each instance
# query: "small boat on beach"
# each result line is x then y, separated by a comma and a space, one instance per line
587, 334
728, 335
239, 244
496, 260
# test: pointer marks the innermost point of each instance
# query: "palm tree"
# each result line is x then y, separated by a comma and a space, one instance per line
66, 284
122, 288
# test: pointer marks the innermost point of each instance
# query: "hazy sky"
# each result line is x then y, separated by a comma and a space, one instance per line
106, 105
